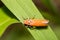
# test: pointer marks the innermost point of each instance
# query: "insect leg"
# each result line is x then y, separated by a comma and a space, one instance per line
34, 27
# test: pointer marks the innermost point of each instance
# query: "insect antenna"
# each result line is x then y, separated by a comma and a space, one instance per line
33, 17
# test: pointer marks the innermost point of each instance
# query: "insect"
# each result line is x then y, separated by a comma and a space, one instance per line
36, 22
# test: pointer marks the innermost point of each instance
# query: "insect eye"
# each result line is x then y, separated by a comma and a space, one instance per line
29, 21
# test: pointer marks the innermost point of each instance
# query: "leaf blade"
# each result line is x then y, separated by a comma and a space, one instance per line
5, 21
26, 9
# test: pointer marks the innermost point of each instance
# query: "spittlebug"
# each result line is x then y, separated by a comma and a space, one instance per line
36, 22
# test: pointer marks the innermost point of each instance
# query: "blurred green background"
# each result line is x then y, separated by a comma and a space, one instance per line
50, 9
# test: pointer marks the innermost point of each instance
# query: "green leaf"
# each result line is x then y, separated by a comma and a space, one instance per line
23, 9
17, 31
5, 19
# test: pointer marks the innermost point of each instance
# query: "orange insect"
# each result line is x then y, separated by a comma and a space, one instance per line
36, 22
